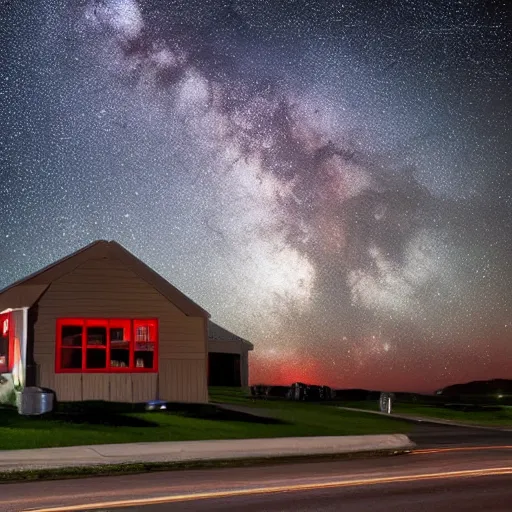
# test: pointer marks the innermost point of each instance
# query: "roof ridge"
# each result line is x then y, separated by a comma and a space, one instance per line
232, 335
139, 267
23, 280
154, 275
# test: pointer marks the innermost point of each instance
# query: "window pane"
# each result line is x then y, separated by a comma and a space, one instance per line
141, 333
144, 346
119, 357
117, 334
71, 358
96, 358
71, 335
97, 336
144, 359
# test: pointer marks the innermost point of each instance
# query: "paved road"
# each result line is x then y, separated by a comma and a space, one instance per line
483, 494
440, 448
407, 482
430, 435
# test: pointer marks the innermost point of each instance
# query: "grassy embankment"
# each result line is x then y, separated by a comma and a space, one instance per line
101, 424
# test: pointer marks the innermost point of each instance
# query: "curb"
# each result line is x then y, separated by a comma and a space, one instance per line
72, 472
191, 451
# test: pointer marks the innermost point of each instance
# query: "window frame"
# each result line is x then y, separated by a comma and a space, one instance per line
68, 322
127, 324
9, 335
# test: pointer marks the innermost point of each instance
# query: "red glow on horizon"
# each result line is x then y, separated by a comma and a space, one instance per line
403, 371
285, 373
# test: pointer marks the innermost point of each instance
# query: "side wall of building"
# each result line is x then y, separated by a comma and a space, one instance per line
107, 288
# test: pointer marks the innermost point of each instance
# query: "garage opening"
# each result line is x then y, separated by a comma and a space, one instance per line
224, 369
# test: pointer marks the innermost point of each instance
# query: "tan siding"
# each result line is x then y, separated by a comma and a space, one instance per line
46, 371
183, 380
46, 348
106, 288
185, 326
103, 285
191, 357
45, 329
21, 296
181, 338
44, 334
168, 384
95, 386
92, 292
68, 387
99, 306
144, 387
175, 348
121, 387
177, 334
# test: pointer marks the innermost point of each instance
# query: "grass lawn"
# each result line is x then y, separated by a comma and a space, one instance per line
370, 405
490, 416
104, 426
231, 395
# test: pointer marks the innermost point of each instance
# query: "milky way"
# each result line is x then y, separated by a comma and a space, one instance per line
329, 180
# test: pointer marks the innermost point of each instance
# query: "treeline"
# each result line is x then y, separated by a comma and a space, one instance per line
300, 391
495, 392
479, 387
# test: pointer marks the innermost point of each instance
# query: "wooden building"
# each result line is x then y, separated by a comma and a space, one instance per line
228, 357
101, 325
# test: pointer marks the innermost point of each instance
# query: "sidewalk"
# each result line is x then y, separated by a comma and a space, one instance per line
427, 419
188, 451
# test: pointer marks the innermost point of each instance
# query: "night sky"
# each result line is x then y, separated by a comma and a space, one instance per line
329, 179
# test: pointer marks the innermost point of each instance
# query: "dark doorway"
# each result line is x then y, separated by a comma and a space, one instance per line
224, 369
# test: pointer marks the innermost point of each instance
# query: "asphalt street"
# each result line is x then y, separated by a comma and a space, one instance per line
482, 494
432, 435
451, 469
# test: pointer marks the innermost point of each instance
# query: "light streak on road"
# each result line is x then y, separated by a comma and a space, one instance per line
279, 489
458, 449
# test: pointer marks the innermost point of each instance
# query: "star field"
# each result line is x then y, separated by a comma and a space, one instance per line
330, 180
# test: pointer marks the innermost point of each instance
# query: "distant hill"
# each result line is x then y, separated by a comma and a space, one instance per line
479, 387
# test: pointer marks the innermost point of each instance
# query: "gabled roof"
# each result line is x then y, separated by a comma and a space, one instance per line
25, 292
218, 333
24, 295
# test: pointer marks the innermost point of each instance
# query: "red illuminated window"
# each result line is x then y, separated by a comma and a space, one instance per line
121, 347
6, 345
106, 345
144, 343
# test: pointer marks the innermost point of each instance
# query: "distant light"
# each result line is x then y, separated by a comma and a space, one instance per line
500, 396
154, 405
